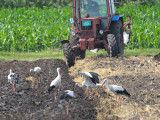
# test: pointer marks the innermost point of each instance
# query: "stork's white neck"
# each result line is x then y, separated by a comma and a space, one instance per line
106, 82
10, 71
58, 71
59, 74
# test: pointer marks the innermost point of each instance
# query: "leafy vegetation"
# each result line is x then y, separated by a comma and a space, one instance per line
141, 2
146, 25
35, 3
33, 29
61, 3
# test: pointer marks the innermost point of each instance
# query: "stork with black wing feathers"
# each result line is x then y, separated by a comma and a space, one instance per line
13, 79
91, 81
118, 90
67, 95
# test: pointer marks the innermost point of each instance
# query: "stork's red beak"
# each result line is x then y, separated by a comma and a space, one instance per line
99, 86
75, 88
62, 72
103, 83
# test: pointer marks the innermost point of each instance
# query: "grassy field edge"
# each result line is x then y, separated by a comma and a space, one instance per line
58, 54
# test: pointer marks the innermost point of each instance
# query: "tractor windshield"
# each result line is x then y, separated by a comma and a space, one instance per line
93, 8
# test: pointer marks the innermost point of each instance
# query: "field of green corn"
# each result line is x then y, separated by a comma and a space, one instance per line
35, 29
146, 25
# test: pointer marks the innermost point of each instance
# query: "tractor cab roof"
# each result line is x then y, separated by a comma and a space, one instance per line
93, 8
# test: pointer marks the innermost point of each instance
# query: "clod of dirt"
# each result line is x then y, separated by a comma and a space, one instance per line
157, 57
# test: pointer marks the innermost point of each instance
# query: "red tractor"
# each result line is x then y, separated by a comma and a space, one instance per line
95, 25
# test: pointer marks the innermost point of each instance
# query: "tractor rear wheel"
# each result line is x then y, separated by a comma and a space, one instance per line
117, 29
74, 40
69, 58
112, 45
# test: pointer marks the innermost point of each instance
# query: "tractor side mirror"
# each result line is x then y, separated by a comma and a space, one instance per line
86, 15
71, 15
71, 20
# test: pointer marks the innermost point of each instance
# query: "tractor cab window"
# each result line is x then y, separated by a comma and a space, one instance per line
93, 8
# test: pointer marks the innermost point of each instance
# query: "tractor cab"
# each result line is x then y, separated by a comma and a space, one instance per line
92, 8
95, 25
92, 17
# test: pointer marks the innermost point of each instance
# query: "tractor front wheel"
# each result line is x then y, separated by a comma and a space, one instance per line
117, 29
113, 49
68, 54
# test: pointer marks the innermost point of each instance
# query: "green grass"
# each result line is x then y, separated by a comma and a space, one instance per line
30, 56
141, 52
58, 54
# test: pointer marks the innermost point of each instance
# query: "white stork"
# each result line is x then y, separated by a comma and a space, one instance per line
56, 83
67, 95
95, 50
126, 37
118, 90
13, 79
37, 71
91, 81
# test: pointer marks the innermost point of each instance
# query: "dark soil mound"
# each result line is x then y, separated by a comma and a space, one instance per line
35, 103
157, 57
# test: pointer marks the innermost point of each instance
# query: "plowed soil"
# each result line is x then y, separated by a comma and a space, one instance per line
34, 103
139, 75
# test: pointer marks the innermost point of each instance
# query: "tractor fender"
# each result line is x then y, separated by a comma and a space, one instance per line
116, 18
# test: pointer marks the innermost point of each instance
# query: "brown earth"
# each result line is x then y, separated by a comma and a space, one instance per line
140, 75
31, 103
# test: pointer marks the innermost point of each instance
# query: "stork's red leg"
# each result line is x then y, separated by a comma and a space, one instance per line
55, 95
39, 79
87, 94
67, 107
13, 87
120, 101
115, 102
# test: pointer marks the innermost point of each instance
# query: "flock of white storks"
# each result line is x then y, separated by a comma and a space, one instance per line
91, 81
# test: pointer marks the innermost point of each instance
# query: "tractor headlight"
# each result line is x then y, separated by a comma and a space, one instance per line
101, 32
73, 33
